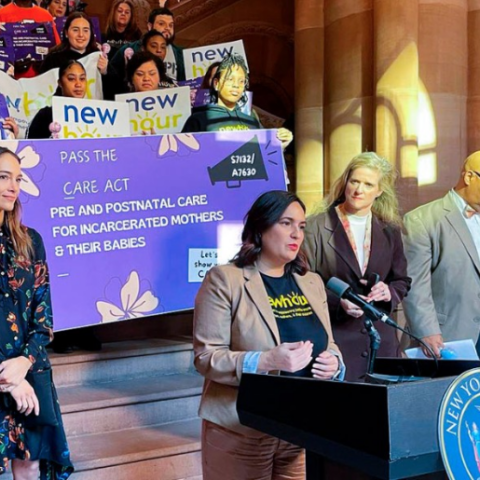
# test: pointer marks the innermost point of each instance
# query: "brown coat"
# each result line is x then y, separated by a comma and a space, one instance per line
331, 255
232, 317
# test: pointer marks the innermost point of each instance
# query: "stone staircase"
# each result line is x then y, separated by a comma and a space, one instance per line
130, 410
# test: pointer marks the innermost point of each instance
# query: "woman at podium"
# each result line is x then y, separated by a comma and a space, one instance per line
264, 312
357, 239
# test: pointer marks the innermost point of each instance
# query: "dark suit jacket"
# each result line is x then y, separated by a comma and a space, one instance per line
233, 316
331, 255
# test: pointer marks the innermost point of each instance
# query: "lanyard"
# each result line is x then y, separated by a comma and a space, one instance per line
367, 241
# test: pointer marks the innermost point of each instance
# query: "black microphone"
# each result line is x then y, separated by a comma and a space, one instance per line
342, 290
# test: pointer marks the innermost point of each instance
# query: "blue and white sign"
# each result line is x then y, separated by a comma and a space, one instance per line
25, 97
459, 427
82, 118
158, 111
198, 59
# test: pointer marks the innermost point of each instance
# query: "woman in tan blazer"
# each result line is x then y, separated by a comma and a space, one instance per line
263, 313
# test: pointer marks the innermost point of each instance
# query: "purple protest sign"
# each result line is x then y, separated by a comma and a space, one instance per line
7, 52
59, 24
131, 225
31, 41
3, 115
202, 96
194, 85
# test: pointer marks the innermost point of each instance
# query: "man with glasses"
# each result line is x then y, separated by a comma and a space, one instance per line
442, 246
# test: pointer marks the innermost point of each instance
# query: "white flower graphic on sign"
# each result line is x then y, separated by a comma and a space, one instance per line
169, 143
29, 159
133, 304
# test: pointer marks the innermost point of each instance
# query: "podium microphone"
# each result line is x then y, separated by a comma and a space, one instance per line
342, 290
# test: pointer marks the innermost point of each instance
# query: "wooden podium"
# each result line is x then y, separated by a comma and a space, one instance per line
387, 431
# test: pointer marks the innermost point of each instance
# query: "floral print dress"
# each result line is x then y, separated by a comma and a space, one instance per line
25, 330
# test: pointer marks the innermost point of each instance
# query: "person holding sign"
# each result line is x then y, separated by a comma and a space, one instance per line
146, 72
31, 430
229, 85
9, 127
264, 312
21, 11
121, 26
72, 82
78, 42
153, 42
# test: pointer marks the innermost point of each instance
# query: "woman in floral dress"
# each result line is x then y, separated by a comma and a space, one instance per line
36, 446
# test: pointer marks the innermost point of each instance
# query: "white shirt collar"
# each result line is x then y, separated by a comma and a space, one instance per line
458, 200
461, 205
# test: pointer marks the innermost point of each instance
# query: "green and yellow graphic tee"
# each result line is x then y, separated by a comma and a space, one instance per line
295, 318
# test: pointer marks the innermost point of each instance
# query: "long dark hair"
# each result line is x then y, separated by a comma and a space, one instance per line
207, 81
132, 32
22, 243
65, 45
61, 72
226, 65
46, 3
265, 212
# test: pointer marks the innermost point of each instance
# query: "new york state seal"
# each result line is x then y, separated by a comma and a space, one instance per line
459, 427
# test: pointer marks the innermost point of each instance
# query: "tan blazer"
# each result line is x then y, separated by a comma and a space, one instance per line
444, 265
232, 317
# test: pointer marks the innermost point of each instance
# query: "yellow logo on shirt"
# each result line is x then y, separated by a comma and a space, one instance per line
290, 306
288, 301
234, 128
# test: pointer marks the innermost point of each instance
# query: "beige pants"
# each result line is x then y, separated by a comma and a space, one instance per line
230, 455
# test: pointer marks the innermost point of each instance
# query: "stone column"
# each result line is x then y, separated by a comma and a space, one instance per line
309, 67
397, 87
444, 68
348, 83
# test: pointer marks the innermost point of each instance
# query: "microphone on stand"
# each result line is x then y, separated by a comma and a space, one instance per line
343, 290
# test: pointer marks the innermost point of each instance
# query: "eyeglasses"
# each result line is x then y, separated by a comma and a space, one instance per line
233, 81
476, 173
